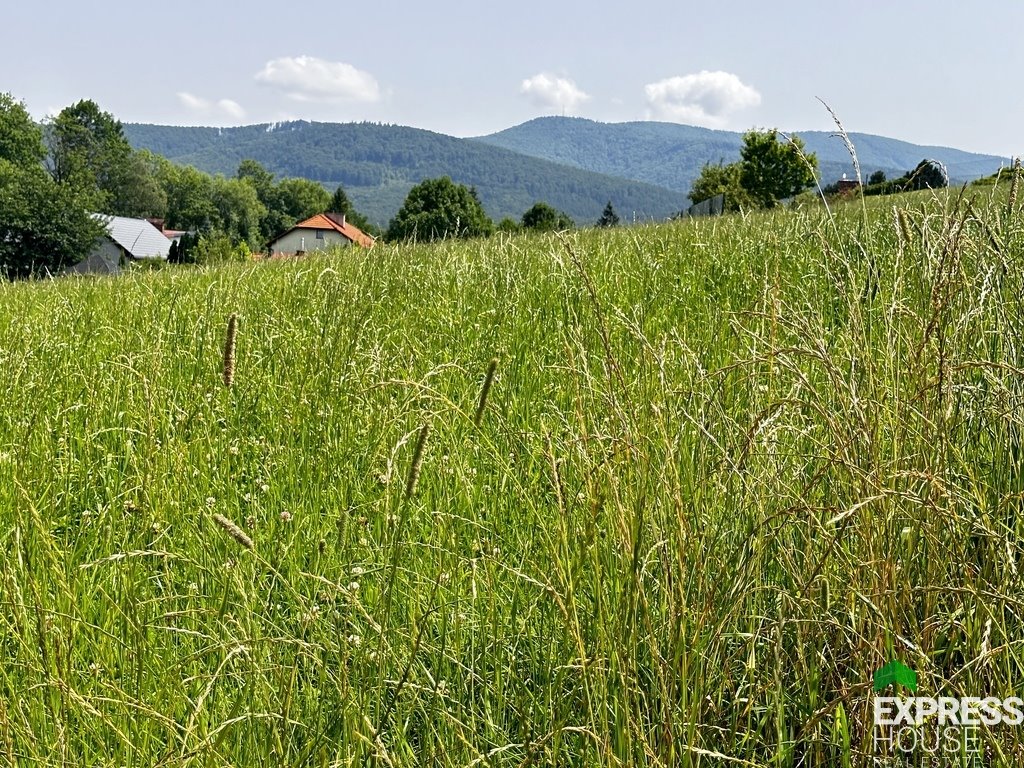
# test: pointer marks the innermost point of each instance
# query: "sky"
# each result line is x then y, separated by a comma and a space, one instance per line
928, 71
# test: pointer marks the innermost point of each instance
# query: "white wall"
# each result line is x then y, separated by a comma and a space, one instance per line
305, 239
105, 259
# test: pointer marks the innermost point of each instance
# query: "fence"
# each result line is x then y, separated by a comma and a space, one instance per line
713, 206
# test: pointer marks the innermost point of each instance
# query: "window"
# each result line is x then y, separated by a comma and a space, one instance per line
319, 234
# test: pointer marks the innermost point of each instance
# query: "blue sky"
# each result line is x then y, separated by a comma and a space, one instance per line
935, 72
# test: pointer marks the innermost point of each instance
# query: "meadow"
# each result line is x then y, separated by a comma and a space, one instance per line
664, 495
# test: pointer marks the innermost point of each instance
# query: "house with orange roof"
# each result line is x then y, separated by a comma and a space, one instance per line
318, 233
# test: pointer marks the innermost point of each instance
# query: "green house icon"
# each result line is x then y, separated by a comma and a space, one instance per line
894, 673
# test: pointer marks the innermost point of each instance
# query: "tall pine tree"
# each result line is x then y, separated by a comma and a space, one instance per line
609, 218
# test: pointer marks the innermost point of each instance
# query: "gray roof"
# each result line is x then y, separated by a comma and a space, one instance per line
137, 236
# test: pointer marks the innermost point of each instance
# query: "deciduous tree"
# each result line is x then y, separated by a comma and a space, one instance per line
772, 170
927, 175
769, 170
44, 225
88, 150
275, 219
254, 172
21, 141
302, 198
138, 192
189, 197
722, 180
439, 208
545, 218
238, 210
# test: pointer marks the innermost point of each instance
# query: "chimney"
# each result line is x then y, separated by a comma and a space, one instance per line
337, 218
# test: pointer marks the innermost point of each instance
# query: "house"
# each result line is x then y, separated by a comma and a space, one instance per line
847, 186
320, 232
126, 240
174, 235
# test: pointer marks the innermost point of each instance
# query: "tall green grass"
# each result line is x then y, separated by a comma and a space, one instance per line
719, 473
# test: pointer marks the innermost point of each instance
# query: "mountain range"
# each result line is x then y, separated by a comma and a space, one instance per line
378, 165
671, 155
644, 168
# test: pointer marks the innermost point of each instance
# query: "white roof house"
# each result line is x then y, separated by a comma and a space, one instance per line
126, 240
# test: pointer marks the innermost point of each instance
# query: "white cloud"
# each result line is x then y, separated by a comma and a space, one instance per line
223, 108
552, 92
306, 78
705, 98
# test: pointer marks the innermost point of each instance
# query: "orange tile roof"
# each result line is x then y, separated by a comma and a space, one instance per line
322, 221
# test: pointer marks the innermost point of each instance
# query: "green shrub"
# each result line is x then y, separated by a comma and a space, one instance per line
219, 249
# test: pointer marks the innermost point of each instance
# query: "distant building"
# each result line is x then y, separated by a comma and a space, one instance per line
174, 235
318, 233
848, 186
126, 240
713, 206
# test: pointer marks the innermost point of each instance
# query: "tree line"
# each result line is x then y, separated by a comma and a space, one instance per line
439, 208
773, 168
54, 174
928, 174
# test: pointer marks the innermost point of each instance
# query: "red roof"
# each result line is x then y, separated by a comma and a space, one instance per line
323, 221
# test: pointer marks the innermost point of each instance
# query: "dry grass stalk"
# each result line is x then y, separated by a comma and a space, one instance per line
1011, 205
842, 134
556, 475
229, 350
232, 529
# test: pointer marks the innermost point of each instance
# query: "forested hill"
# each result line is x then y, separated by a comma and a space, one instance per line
378, 164
671, 155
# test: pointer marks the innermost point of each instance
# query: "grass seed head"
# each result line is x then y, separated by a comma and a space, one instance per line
1014, 186
229, 350
417, 461
485, 390
903, 219
232, 530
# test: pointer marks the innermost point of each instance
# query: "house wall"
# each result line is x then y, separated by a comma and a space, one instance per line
105, 259
292, 242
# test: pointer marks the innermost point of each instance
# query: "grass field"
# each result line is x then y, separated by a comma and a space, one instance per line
720, 473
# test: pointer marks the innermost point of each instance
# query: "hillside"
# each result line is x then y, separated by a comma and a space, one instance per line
672, 155
378, 164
